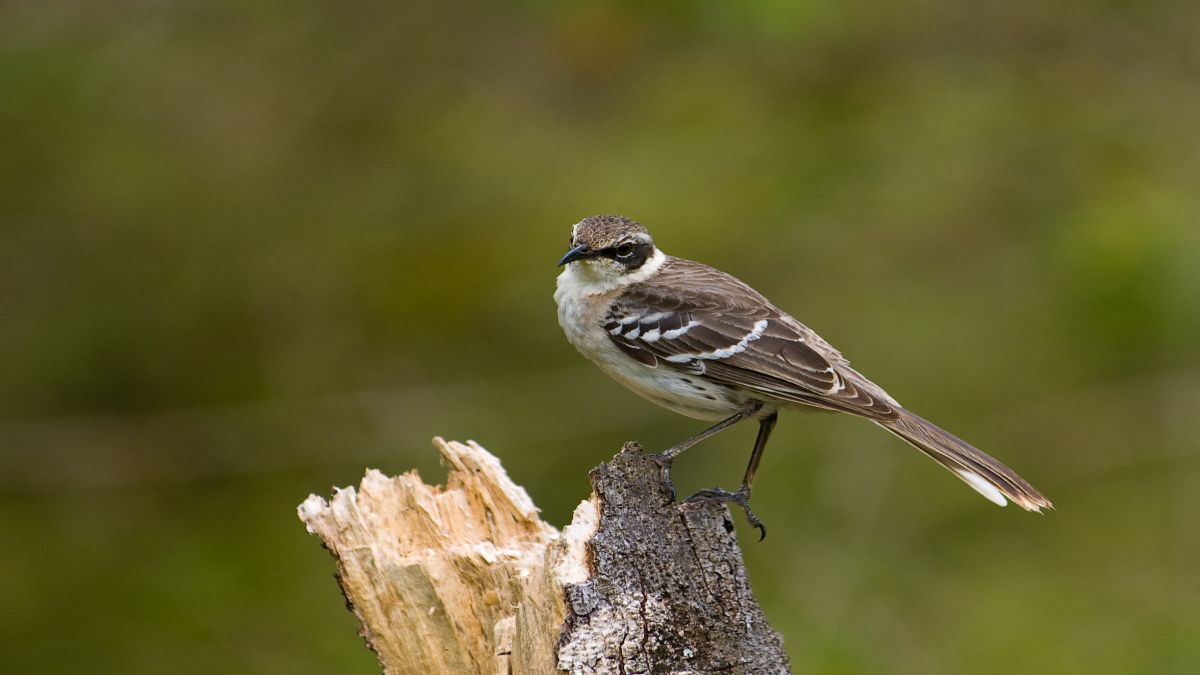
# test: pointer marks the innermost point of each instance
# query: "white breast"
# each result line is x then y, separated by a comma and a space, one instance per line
583, 303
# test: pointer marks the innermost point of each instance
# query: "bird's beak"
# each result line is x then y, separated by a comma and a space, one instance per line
574, 254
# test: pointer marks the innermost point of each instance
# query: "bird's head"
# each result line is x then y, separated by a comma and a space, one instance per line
609, 247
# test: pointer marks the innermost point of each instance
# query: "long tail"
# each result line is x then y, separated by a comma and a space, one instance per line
987, 476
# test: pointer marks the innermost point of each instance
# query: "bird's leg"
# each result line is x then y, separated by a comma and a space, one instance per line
765, 426
742, 496
664, 459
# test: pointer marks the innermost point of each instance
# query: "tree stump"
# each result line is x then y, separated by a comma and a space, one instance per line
468, 579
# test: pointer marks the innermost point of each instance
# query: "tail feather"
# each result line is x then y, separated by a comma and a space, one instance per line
990, 478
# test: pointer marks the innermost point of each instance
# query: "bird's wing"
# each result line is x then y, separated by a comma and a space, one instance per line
700, 320
697, 319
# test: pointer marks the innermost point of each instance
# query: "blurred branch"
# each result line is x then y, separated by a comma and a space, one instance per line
468, 579
69, 453
56, 454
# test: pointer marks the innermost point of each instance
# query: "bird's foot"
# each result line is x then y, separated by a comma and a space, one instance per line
664, 466
741, 498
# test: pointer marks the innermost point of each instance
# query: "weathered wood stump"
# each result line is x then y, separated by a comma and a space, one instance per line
468, 579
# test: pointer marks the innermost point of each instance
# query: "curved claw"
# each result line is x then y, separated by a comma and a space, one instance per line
741, 498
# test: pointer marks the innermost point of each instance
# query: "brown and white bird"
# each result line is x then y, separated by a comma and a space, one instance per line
700, 342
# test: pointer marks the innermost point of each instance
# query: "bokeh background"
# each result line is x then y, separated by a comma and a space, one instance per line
250, 249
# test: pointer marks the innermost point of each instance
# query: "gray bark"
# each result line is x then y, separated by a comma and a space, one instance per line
468, 579
668, 591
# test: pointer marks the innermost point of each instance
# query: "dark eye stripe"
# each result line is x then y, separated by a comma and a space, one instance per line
641, 251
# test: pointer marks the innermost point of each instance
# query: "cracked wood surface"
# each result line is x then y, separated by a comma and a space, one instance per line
468, 579
668, 591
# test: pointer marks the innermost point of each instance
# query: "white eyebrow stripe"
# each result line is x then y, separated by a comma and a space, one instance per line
759, 327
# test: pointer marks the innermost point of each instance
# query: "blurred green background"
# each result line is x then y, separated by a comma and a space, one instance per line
250, 249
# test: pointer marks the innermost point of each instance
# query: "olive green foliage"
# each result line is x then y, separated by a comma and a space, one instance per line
249, 249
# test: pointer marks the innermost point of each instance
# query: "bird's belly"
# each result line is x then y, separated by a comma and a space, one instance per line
683, 393
680, 392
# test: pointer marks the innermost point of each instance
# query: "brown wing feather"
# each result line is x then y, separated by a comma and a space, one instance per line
787, 360
705, 321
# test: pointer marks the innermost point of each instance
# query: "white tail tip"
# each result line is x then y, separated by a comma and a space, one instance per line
983, 487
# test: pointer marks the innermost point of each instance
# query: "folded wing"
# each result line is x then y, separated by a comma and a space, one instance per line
697, 319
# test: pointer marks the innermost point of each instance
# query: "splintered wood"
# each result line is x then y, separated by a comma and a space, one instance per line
468, 579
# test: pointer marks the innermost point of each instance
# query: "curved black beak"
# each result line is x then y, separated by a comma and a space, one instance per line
574, 254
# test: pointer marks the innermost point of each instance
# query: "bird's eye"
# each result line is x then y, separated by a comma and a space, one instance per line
624, 250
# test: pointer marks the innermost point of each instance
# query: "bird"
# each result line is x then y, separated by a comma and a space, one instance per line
704, 344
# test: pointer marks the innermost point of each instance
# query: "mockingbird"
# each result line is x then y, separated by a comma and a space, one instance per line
702, 343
